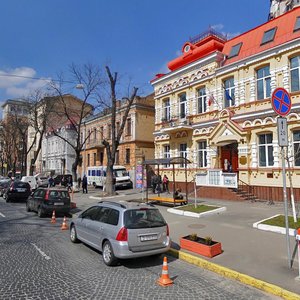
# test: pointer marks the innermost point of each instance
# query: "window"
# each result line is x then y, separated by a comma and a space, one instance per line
166, 110
202, 154
228, 86
166, 154
128, 126
89, 136
201, 100
94, 156
263, 83
295, 78
127, 158
235, 50
109, 131
297, 24
117, 158
95, 133
265, 146
88, 159
268, 36
101, 132
296, 147
183, 152
182, 105
101, 158
91, 214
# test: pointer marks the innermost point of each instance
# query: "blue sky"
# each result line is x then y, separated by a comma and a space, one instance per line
134, 37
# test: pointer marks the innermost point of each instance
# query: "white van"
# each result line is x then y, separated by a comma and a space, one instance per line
31, 180
97, 176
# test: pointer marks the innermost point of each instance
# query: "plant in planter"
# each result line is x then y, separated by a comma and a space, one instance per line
203, 246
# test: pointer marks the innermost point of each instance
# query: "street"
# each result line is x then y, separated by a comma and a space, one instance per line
38, 261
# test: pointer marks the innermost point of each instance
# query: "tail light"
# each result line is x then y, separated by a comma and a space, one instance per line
47, 195
122, 235
168, 231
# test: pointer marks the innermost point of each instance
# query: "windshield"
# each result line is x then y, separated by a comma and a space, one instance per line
143, 218
120, 173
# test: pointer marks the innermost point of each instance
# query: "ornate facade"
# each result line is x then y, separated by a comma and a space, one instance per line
214, 106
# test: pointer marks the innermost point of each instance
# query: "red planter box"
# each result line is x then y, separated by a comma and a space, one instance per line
200, 247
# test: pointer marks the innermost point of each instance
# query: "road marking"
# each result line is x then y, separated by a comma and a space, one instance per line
2, 215
40, 251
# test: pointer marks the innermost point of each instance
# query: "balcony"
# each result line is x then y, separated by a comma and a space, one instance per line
94, 144
176, 123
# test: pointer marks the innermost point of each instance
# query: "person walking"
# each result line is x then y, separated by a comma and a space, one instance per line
153, 182
69, 184
79, 182
166, 184
84, 184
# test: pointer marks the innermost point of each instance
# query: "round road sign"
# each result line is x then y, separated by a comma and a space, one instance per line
281, 102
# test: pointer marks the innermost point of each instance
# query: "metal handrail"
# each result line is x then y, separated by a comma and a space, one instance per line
245, 187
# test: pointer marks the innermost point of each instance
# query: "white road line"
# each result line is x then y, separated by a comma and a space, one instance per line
40, 251
2, 215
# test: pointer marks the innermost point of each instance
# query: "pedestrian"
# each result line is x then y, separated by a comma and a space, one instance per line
166, 184
84, 184
69, 184
50, 181
153, 182
177, 194
79, 182
158, 183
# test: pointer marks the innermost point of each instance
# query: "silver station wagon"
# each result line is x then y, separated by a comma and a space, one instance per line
122, 230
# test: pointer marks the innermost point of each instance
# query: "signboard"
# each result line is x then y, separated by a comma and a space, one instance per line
282, 131
139, 176
281, 101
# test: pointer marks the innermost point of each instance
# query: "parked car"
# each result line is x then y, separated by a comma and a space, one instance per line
45, 200
122, 230
62, 179
31, 180
17, 190
42, 181
4, 184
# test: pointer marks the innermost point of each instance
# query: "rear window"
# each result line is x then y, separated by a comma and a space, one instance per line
58, 194
143, 218
21, 184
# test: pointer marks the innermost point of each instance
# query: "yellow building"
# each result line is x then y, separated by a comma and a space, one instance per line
214, 107
137, 141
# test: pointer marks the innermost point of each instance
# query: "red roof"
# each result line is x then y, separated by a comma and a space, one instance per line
251, 41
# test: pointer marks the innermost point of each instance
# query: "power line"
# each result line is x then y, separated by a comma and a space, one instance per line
34, 78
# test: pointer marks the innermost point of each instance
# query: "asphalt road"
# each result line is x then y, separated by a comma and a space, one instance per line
38, 261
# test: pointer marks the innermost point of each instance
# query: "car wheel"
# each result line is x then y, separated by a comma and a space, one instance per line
108, 254
40, 212
27, 207
73, 235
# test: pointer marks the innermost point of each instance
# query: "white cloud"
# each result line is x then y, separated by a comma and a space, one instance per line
229, 35
19, 82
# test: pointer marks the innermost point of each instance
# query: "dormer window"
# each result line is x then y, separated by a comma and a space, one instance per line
235, 50
187, 48
268, 36
297, 24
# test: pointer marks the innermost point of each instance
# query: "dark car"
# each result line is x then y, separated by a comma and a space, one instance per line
45, 200
17, 190
4, 184
62, 179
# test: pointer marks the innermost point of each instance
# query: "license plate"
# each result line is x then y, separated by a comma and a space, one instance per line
21, 190
145, 238
58, 203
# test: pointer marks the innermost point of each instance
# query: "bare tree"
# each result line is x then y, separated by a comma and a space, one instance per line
112, 147
88, 78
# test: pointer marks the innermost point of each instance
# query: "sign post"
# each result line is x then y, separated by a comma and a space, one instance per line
281, 103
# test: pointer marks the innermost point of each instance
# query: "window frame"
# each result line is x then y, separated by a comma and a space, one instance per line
201, 100
182, 153
235, 50
296, 152
297, 24
182, 106
202, 154
295, 70
266, 146
268, 36
229, 87
166, 110
166, 154
266, 83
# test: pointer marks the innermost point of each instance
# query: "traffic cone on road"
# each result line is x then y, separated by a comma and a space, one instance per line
64, 225
164, 279
53, 219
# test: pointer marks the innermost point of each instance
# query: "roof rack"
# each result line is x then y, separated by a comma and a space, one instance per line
113, 203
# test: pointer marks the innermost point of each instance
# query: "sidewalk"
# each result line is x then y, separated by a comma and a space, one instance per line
259, 254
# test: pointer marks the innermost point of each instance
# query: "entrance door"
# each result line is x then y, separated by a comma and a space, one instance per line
229, 154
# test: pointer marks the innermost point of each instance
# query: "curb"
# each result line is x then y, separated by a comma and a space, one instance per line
195, 215
243, 278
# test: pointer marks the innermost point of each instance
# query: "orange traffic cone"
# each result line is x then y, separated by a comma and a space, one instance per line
53, 219
164, 279
64, 225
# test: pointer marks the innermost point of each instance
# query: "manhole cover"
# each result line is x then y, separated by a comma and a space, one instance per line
196, 226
